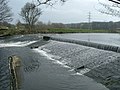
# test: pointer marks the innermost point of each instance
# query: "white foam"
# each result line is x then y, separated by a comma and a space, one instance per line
16, 44
44, 53
81, 72
77, 74
46, 50
62, 63
71, 70
51, 57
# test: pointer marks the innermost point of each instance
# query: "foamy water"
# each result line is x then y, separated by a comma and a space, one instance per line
45, 52
51, 57
61, 63
17, 44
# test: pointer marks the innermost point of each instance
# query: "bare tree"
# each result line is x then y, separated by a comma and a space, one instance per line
47, 2
30, 14
111, 9
5, 11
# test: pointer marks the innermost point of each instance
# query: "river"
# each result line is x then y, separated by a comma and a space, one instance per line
104, 38
52, 66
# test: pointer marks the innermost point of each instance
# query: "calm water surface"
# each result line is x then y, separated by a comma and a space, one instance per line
104, 38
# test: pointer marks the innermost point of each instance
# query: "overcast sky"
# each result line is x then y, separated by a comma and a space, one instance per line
73, 11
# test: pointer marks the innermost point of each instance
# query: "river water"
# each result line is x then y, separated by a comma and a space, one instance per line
53, 65
104, 38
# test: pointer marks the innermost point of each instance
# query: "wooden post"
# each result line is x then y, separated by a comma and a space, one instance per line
15, 66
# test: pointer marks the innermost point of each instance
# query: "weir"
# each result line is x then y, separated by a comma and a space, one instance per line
85, 43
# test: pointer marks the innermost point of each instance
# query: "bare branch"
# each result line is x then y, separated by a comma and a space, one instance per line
48, 2
30, 15
115, 1
110, 9
5, 11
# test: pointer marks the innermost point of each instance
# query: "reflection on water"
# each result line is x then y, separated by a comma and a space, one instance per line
33, 66
15, 46
4, 75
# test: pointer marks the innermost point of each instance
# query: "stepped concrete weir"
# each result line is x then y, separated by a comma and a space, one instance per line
86, 43
15, 66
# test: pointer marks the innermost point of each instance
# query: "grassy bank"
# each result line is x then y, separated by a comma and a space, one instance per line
55, 30
52, 30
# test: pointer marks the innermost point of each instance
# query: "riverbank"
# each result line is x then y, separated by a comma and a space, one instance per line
12, 32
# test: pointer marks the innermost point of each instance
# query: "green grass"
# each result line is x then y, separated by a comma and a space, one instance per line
52, 30
56, 30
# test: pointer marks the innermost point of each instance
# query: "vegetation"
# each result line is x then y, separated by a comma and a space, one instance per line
40, 27
5, 11
52, 30
111, 8
67, 30
30, 14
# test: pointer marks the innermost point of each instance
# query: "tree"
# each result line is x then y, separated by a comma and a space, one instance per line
111, 9
18, 24
57, 25
30, 14
5, 11
48, 2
